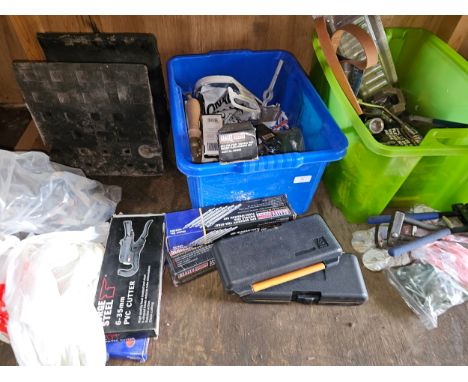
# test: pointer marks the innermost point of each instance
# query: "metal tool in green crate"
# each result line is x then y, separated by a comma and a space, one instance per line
434, 79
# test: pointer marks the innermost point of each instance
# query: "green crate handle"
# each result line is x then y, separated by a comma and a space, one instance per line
430, 146
433, 137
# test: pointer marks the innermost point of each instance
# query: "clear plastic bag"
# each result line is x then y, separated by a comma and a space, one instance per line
450, 257
39, 196
50, 284
428, 291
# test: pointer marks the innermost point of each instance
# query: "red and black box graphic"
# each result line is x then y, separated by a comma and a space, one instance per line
129, 289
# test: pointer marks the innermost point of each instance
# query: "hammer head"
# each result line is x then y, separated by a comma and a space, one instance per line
394, 228
461, 211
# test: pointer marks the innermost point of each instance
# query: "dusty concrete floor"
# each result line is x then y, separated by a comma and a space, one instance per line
201, 325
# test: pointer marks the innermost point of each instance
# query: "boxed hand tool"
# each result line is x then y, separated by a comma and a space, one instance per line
237, 142
200, 226
342, 284
256, 261
129, 289
135, 349
192, 264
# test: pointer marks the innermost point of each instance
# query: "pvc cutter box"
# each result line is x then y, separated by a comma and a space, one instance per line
342, 284
256, 261
128, 294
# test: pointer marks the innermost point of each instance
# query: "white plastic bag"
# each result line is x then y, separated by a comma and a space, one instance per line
50, 287
39, 196
226, 96
7, 242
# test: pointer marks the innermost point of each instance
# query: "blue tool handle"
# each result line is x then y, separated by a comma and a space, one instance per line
418, 216
401, 249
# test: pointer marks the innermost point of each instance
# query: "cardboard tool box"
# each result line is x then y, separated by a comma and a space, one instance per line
260, 260
129, 289
237, 142
342, 284
192, 264
201, 226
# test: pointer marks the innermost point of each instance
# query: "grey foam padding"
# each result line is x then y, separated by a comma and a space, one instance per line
97, 117
245, 259
342, 284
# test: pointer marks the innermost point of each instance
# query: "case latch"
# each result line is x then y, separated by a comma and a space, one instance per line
306, 297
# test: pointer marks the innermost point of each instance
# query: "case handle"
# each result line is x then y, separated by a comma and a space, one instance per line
434, 136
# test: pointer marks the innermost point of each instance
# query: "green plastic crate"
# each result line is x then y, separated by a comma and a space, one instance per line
372, 176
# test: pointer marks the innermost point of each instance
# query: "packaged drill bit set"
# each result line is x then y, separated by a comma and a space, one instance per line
189, 234
228, 123
189, 265
129, 289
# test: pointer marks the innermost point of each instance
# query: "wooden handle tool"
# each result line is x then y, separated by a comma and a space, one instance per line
194, 131
268, 283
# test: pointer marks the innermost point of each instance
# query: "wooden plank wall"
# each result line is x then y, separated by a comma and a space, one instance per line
193, 34
9, 49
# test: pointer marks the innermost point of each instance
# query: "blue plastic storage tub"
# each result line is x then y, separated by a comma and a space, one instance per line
294, 174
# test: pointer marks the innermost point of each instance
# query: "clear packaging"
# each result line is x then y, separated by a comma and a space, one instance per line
450, 257
459, 238
39, 196
428, 291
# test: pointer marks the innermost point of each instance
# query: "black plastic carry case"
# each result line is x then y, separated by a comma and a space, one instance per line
341, 285
247, 259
